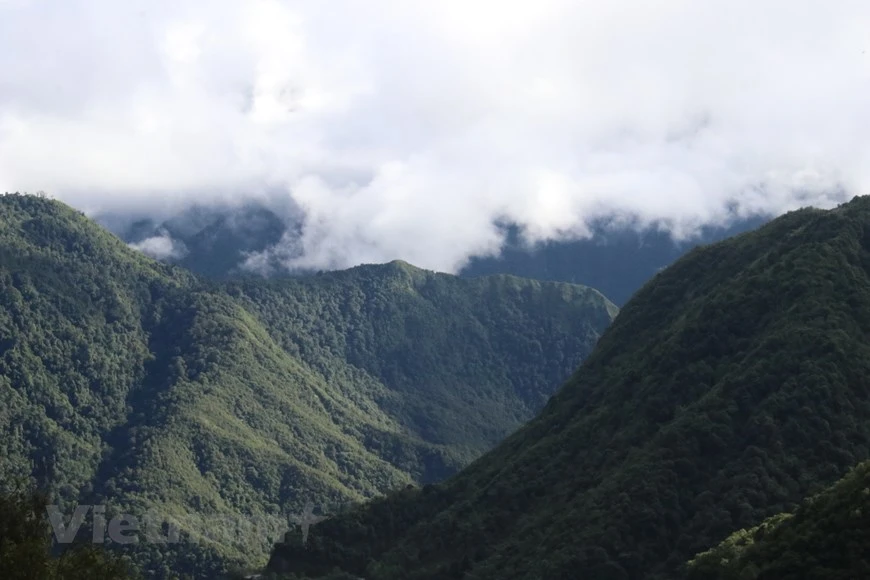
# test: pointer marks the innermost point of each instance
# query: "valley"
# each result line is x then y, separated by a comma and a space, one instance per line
136, 384
434, 290
731, 387
416, 420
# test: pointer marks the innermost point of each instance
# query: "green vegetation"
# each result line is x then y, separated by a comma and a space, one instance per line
27, 553
828, 537
733, 385
128, 382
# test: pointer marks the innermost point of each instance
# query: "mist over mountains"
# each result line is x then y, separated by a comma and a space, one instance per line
531, 289
256, 239
690, 442
731, 387
412, 130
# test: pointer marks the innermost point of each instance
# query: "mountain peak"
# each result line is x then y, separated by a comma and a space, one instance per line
404, 265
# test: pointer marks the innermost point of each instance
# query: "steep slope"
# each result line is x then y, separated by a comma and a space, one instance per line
131, 383
74, 346
466, 361
828, 537
730, 387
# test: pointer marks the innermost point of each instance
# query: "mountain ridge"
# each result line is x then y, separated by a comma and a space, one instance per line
708, 405
133, 382
217, 240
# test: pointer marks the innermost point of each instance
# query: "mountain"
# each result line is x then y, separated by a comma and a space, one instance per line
615, 261
225, 405
826, 538
211, 240
215, 240
730, 387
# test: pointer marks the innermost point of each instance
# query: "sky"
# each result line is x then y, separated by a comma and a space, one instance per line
409, 129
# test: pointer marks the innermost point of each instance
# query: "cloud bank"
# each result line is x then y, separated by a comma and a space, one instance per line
409, 129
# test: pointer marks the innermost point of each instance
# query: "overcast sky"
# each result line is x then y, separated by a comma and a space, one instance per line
404, 129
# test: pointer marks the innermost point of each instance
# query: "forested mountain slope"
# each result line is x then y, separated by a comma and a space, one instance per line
132, 383
827, 538
466, 361
732, 385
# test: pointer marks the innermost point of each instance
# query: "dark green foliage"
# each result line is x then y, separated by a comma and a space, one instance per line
730, 387
827, 538
132, 383
389, 322
26, 551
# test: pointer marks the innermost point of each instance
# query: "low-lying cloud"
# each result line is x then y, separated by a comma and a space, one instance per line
409, 129
162, 247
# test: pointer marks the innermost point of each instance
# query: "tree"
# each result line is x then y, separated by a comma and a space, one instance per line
26, 545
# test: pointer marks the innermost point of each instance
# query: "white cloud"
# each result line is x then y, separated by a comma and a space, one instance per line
161, 247
404, 129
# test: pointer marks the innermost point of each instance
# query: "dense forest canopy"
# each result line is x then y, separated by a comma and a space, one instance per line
732, 386
133, 383
28, 551
827, 538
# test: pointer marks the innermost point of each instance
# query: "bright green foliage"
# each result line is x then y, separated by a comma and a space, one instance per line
730, 387
827, 538
133, 383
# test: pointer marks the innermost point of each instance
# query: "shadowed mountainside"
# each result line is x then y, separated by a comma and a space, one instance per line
732, 385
